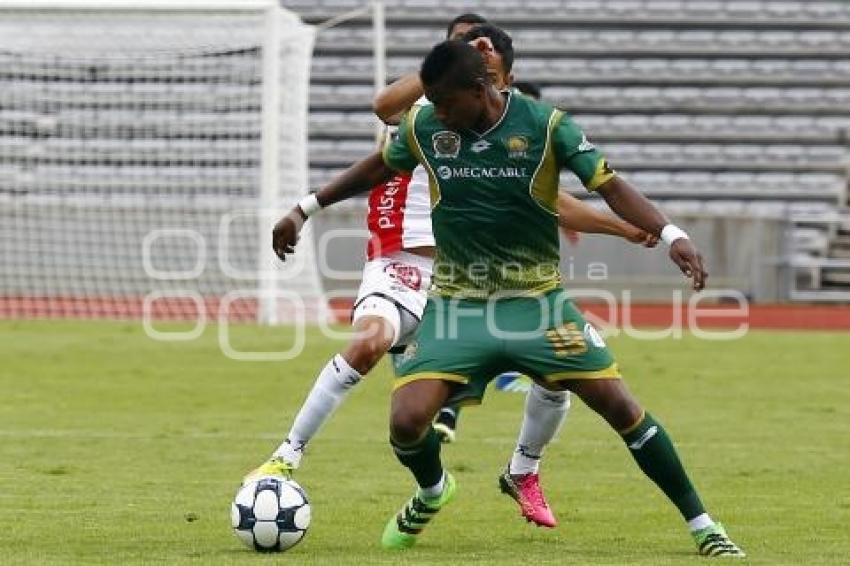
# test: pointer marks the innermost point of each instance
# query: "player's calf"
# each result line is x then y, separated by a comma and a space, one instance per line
655, 454
545, 411
417, 447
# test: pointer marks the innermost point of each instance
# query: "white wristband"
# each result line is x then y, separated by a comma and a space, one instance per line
671, 233
309, 205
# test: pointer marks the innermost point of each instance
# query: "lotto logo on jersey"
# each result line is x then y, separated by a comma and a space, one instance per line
585, 144
407, 275
479, 146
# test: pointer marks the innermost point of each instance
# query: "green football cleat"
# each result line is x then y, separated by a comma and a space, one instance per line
403, 528
275, 467
713, 541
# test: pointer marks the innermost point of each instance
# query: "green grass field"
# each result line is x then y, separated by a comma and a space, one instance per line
109, 440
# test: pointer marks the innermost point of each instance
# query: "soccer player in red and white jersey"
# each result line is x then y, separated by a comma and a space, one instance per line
389, 306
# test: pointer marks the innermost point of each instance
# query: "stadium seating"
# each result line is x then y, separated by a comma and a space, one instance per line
709, 106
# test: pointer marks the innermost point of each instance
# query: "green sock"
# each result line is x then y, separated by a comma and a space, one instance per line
422, 458
654, 452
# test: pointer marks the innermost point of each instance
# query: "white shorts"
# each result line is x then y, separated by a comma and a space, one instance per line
395, 288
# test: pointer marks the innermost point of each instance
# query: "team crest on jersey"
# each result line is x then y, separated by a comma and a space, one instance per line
517, 146
446, 144
407, 275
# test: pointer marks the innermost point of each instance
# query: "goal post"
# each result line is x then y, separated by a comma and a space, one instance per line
146, 147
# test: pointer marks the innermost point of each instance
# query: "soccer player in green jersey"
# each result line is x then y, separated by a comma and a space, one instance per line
375, 329
497, 49
493, 161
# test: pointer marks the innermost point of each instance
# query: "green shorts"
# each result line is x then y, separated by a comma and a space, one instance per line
469, 342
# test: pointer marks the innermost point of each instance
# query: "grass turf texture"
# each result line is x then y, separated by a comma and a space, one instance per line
118, 449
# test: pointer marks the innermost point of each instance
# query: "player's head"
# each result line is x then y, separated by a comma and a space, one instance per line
462, 24
529, 89
455, 80
500, 61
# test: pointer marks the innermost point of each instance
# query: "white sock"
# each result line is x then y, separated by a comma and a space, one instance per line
435, 490
545, 412
335, 381
700, 522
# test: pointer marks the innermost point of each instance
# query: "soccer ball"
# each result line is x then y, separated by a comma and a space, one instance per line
270, 514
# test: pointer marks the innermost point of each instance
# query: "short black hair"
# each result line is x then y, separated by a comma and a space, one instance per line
529, 88
502, 42
454, 63
468, 18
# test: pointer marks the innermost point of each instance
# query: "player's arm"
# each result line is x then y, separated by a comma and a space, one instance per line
358, 178
631, 205
367, 173
578, 216
394, 99
577, 154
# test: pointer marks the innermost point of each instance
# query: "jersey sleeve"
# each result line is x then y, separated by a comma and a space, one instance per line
397, 152
576, 153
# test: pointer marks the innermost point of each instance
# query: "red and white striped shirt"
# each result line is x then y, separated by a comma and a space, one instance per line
399, 215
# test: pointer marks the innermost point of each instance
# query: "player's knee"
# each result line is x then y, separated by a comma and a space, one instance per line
612, 401
365, 352
622, 412
408, 425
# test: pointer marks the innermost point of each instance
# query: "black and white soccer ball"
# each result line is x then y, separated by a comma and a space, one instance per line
270, 514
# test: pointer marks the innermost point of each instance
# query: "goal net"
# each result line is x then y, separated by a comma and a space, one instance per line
145, 150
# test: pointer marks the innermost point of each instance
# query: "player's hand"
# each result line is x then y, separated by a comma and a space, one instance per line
687, 257
285, 233
637, 236
488, 52
484, 45
572, 236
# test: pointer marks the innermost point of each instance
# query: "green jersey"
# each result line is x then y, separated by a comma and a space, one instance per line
494, 194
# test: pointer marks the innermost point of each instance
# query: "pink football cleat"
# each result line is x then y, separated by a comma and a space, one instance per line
525, 490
